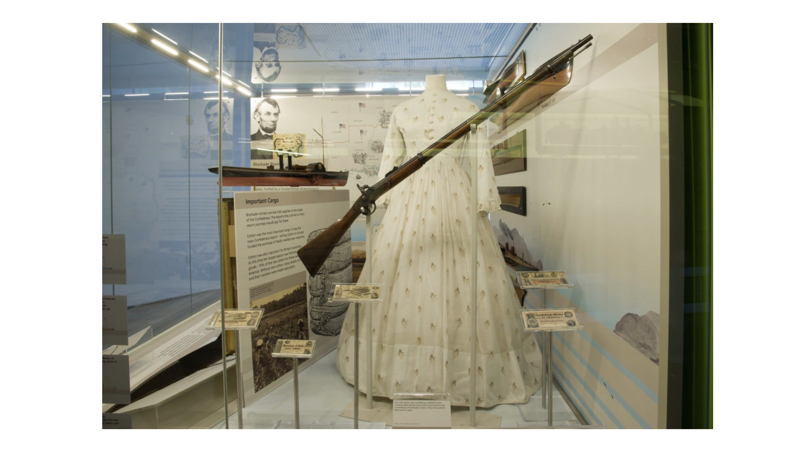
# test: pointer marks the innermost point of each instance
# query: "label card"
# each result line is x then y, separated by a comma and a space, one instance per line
550, 319
115, 421
237, 319
114, 259
421, 414
287, 348
550, 278
115, 320
116, 379
357, 292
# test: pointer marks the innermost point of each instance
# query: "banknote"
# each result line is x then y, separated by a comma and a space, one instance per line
290, 142
551, 277
293, 348
549, 319
237, 320
356, 291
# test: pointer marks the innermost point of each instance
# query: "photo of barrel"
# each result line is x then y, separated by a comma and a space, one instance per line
327, 317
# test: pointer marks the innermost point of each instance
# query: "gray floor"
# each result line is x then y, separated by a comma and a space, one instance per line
324, 394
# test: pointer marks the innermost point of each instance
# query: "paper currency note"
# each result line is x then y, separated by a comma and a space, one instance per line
549, 319
234, 319
553, 277
290, 142
357, 291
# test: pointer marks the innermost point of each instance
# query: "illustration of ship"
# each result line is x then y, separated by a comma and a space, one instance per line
313, 174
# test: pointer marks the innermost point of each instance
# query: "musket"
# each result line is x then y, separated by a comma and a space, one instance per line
542, 83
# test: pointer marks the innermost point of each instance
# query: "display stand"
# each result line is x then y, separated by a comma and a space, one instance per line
473, 361
237, 320
548, 321
368, 279
294, 349
358, 293
544, 280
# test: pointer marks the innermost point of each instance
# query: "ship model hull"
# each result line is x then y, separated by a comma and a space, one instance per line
243, 176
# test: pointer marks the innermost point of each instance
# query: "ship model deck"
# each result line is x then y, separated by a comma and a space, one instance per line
313, 174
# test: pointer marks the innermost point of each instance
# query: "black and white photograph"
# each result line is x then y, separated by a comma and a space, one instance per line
266, 64
285, 317
263, 125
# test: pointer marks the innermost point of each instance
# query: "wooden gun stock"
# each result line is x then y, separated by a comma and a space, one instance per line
314, 253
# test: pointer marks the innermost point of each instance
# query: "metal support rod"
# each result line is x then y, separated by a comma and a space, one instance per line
296, 395
239, 384
545, 363
550, 378
368, 275
473, 379
355, 374
221, 240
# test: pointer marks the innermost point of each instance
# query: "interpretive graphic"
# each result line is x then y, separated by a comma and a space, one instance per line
114, 267
549, 319
641, 331
236, 320
270, 227
376, 146
288, 348
115, 320
327, 317
515, 246
357, 292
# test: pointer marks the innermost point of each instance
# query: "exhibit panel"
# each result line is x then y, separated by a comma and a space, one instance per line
388, 225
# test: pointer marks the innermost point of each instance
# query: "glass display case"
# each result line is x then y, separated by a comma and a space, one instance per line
405, 225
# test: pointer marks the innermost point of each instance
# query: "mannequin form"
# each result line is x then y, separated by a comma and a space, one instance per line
421, 332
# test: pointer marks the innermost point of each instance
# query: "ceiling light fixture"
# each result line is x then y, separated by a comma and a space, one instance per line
164, 47
213, 92
372, 89
225, 80
244, 91
136, 95
128, 27
283, 90
177, 93
198, 66
199, 57
325, 89
162, 35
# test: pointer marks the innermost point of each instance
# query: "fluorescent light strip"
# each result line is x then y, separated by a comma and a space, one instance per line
199, 57
177, 93
283, 90
162, 35
462, 95
136, 95
282, 96
214, 92
164, 47
105, 95
243, 83
128, 27
369, 89
325, 89
198, 66
244, 91
281, 151
225, 80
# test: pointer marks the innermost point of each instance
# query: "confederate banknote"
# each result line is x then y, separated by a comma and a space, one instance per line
237, 319
356, 291
549, 319
552, 277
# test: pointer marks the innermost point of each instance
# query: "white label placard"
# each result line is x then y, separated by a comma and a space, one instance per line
116, 379
114, 259
288, 348
114, 421
115, 320
421, 414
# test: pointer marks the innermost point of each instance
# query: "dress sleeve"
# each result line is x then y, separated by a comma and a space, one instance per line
394, 152
478, 144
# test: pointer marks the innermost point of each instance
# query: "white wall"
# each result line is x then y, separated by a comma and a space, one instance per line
594, 207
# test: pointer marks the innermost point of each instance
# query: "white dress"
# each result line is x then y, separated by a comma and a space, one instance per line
421, 252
